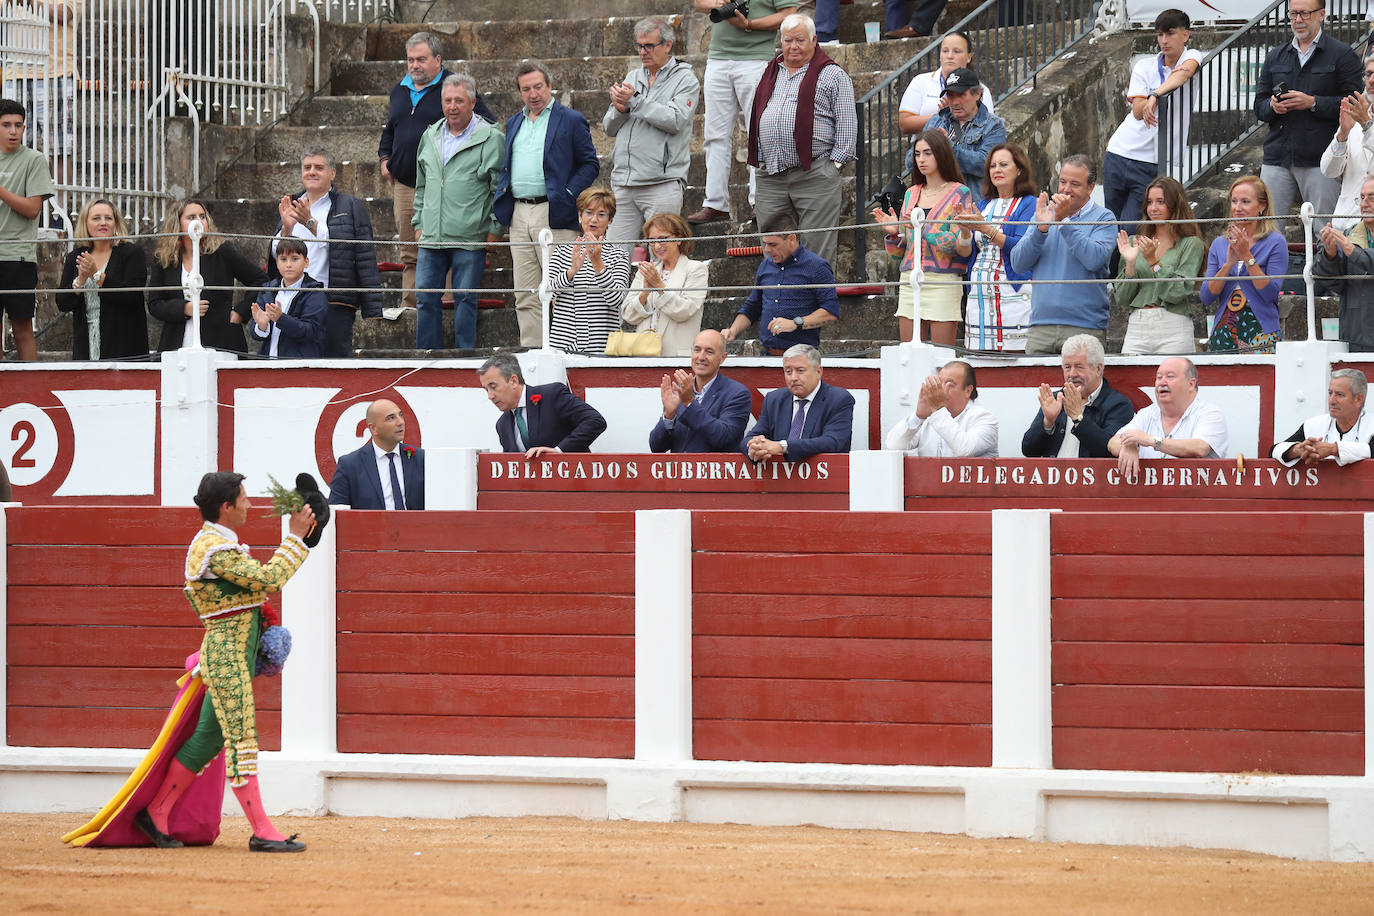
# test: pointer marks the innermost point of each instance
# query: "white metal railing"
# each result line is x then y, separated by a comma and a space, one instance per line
117, 70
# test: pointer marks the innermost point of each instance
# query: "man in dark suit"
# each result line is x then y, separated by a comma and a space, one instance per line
550, 159
538, 418
370, 477
806, 418
703, 411
1078, 421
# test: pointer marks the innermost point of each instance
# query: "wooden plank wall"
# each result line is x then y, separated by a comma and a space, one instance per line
1214, 642
492, 633
842, 637
98, 625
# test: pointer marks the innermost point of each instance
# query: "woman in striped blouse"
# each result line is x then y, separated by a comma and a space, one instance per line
588, 279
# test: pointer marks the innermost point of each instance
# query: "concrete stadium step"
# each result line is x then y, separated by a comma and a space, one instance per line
373, 77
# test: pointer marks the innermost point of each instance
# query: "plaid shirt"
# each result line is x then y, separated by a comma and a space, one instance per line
836, 129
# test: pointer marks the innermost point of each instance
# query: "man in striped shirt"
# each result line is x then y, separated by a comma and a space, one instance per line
801, 132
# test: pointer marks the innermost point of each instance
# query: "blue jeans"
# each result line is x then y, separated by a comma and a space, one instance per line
431, 266
1123, 188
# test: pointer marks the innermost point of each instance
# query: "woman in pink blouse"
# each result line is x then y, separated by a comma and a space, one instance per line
937, 196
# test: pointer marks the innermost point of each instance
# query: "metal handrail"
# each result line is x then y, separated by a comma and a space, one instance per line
1223, 90
1007, 54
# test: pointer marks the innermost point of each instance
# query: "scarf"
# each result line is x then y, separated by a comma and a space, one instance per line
805, 121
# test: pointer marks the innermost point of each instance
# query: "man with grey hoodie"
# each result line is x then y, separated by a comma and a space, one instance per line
650, 117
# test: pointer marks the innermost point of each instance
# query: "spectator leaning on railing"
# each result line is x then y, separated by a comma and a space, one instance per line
786, 315
1132, 158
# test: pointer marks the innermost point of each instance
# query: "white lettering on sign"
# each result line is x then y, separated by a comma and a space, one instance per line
724, 469
1163, 475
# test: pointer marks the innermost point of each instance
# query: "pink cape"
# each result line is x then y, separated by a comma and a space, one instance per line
195, 819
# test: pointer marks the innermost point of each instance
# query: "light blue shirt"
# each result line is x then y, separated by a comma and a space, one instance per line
527, 156
450, 143
415, 94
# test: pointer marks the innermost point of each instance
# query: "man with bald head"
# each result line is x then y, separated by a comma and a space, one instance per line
703, 411
1179, 424
385, 473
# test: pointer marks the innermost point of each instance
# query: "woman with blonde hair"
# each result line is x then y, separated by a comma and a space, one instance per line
588, 279
669, 290
1161, 250
1240, 266
169, 297
102, 286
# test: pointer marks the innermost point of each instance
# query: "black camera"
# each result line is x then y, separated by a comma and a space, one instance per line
722, 13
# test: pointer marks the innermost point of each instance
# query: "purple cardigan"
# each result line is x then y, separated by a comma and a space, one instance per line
1263, 296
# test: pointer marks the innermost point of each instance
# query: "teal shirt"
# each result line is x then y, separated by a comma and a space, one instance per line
527, 156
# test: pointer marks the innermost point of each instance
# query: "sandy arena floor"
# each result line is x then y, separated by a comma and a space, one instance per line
491, 865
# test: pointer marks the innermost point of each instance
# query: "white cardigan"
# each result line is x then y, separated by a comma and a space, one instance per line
673, 313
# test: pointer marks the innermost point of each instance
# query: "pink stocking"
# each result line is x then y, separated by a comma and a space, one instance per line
173, 787
251, 802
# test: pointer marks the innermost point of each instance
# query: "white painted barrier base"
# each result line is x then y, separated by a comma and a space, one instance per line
1323, 818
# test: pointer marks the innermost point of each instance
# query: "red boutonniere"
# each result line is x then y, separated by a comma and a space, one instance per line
407, 451
269, 615
536, 398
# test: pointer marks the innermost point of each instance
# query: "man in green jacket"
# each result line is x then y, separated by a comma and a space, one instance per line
457, 168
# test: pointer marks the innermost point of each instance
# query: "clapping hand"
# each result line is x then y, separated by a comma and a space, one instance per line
300, 209
1129, 252
668, 393
260, 317
1050, 404
932, 397
970, 217
1238, 248
286, 208
1333, 239
86, 267
888, 219
1044, 209
652, 278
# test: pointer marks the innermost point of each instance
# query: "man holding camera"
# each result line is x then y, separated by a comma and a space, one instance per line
743, 33
1299, 95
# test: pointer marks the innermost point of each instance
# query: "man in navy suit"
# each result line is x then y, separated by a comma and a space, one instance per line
538, 418
806, 418
703, 411
370, 477
550, 159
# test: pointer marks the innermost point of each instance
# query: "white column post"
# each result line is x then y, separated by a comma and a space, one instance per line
451, 478
543, 367
1301, 373
309, 680
903, 368
663, 669
1021, 721
876, 481
190, 423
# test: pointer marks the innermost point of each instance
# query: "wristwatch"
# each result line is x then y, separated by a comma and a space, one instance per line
801, 323
312, 222
1250, 263
1159, 443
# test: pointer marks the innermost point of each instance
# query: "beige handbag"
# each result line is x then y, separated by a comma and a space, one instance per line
634, 343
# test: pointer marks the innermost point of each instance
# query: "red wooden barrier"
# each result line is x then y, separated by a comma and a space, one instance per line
1240, 646
499, 633
98, 627
646, 481
1095, 485
842, 637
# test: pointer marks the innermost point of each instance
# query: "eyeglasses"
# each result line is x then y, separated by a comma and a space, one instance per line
1304, 15
647, 47
661, 239
590, 214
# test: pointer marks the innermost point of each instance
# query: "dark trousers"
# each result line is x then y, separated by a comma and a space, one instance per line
922, 19
338, 331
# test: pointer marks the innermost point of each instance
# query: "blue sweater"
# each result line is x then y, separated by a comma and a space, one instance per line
1068, 251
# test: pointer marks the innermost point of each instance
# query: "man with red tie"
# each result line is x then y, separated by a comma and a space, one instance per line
537, 418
